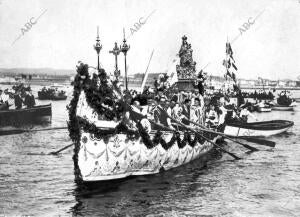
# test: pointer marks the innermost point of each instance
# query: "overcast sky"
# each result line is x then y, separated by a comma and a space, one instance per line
66, 32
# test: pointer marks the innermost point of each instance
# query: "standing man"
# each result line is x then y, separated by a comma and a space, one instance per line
29, 99
18, 100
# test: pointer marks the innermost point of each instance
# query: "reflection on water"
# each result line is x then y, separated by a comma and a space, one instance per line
264, 183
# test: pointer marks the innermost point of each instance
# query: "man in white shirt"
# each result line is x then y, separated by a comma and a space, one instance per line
245, 113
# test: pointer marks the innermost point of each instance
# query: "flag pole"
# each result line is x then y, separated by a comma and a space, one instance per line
146, 73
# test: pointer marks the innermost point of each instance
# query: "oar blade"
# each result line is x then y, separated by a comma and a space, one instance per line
258, 141
10, 132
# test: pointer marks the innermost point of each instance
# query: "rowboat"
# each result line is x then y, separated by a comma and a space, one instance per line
264, 109
282, 108
264, 128
109, 148
16, 117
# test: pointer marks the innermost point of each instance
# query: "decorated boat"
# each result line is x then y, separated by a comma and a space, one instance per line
17, 117
264, 128
113, 140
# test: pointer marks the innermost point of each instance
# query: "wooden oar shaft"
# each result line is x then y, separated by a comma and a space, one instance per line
19, 131
199, 134
60, 150
224, 135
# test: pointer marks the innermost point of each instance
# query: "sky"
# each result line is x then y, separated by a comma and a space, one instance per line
64, 32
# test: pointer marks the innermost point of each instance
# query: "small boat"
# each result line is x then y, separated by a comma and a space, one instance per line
17, 117
277, 107
56, 97
51, 94
264, 128
264, 109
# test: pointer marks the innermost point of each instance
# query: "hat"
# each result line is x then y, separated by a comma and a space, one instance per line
174, 98
229, 107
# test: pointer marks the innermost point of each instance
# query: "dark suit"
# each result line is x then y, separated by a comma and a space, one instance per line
18, 102
186, 111
29, 101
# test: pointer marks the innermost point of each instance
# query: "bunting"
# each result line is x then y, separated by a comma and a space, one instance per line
229, 63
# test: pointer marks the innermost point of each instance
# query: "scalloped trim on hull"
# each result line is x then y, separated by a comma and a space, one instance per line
117, 158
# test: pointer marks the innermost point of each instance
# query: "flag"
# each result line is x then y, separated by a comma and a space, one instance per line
229, 63
172, 73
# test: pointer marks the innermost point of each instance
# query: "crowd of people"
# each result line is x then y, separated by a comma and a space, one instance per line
188, 108
259, 95
18, 99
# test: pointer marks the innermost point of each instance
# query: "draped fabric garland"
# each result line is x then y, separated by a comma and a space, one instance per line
101, 98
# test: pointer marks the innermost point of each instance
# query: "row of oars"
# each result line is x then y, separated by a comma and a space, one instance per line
20, 131
229, 137
200, 128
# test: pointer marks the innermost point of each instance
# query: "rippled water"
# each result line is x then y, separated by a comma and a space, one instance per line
264, 183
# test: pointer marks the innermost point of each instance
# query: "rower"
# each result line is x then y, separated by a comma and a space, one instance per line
245, 113
212, 116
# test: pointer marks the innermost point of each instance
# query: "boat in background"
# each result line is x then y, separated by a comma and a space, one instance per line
52, 93
19, 117
277, 107
264, 109
264, 128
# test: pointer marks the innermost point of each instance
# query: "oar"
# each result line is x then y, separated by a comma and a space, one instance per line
19, 131
249, 139
259, 141
224, 135
60, 150
194, 131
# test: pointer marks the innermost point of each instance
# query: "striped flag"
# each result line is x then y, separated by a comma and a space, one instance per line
229, 63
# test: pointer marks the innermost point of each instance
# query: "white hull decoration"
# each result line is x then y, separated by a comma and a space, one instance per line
266, 128
117, 158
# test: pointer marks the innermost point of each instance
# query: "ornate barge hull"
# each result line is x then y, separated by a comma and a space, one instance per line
117, 156
100, 160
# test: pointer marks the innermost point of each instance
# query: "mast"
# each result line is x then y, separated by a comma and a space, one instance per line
116, 51
98, 47
124, 50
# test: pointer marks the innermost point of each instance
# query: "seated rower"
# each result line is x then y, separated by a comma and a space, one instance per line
211, 117
245, 113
